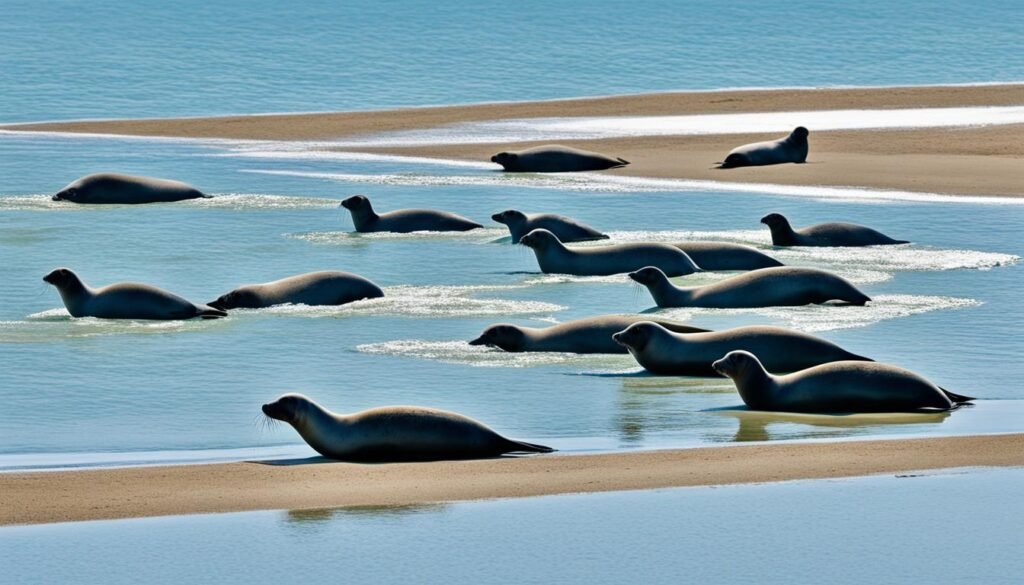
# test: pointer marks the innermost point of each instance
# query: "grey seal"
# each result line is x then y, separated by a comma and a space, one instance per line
124, 300
567, 229
404, 220
837, 387
591, 335
825, 234
791, 149
312, 288
118, 188
667, 353
555, 158
393, 433
554, 257
726, 256
784, 286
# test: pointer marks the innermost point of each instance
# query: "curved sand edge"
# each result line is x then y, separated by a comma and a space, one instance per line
44, 497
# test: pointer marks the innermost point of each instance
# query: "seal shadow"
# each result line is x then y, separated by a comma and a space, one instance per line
372, 460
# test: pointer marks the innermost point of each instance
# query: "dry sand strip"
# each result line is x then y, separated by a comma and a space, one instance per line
42, 497
985, 161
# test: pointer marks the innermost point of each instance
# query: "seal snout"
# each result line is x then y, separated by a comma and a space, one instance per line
478, 341
620, 338
497, 217
721, 366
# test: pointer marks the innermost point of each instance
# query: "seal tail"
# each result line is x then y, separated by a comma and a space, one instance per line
622, 160
523, 446
956, 398
207, 312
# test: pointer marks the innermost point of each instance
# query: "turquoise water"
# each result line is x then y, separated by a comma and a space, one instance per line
953, 527
86, 392
65, 59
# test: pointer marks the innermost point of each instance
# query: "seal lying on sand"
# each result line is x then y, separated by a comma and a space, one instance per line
591, 335
824, 234
663, 352
791, 149
312, 288
554, 257
784, 286
393, 433
565, 228
837, 387
555, 159
726, 256
404, 220
116, 188
124, 300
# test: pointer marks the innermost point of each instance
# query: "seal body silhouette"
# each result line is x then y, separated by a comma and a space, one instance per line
393, 433
766, 287
404, 220
554, 158
312, 288
111, 188
565, 228
668, 353
591, 335
837, 387
726, 256
124, 300
554, 257
824, 234
791, 149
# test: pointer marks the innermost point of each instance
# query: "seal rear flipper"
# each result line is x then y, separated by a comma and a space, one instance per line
956, 398
210, 313
523, 446
622, 160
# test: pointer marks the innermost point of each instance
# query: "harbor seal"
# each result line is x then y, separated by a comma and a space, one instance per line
555, 158
824, 234
312, 288
783, 286
791, 149
393, 433
116, 188
124, 300
726, 256
591, 335
554, 257
567, 229
404, 221
666, 353
837, 387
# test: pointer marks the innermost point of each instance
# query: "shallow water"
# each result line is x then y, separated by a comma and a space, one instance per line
114, 393
952, 527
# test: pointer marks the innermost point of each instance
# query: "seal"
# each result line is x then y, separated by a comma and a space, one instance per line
554, 257
783, 286
591, 335
111, 188
567, 229
404, 221
837, 387
825, 234
555, 158
726, 256
666, 353
124, 300
791, 149
393, 433
312, 288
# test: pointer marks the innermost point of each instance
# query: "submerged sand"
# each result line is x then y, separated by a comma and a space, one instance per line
985, 160
60, 496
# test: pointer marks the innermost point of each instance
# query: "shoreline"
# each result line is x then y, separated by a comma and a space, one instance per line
966, 160
134, 492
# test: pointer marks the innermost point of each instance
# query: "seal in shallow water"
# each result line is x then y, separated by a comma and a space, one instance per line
726, 256
117, 188
404, 220
124, 300
591, 335
824, 234
791, 149
837, 387
554, 257
554, 158
565, 228
393, 433
312, 288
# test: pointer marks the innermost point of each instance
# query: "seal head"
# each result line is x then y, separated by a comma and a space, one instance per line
504, 336
635, 337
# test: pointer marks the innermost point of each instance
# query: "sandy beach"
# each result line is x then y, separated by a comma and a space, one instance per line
964, 160
64, 496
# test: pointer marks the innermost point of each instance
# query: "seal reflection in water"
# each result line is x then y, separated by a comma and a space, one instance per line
837, 387
393, 433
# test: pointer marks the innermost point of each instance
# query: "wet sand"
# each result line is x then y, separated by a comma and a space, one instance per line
967, 160
61, 496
